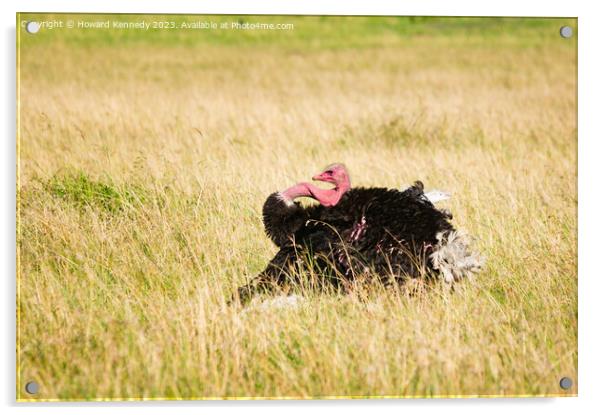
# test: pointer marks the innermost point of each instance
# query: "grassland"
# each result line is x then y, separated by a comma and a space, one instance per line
144, 159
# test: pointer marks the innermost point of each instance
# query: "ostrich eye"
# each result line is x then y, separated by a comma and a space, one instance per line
328, 172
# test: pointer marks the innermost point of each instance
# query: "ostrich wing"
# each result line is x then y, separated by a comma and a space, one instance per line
281, 219
432, 196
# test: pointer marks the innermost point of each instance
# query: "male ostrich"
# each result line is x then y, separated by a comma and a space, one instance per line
395, 235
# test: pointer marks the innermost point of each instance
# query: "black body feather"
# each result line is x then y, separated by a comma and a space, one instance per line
387, 232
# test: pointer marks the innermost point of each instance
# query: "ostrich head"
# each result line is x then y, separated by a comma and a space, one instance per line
335, 174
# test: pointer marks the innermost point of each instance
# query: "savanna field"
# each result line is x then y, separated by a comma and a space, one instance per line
145, 158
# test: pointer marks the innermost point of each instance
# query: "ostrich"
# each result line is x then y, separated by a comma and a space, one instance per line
395, 235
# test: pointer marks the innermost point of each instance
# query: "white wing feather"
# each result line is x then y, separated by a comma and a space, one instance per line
435, 196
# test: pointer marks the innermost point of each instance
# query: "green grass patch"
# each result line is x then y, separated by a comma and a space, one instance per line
82, 191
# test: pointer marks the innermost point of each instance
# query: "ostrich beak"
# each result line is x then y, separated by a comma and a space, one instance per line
323, 177
318, 177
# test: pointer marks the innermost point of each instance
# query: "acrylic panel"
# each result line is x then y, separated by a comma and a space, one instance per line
295, 207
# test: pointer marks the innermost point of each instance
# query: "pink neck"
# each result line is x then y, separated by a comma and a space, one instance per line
298, 190
326, 197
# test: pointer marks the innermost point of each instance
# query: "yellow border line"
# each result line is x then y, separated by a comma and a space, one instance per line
18, 203
300, 398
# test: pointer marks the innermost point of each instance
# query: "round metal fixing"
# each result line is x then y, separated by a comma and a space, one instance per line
566, 383
566, 32
32, 27
32, 388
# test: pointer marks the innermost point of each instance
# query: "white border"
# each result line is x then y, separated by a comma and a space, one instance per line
590, 136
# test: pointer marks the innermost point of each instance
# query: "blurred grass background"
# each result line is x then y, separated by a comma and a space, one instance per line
145, 157
310, 32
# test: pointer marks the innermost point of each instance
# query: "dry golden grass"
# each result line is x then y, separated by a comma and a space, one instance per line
143, 170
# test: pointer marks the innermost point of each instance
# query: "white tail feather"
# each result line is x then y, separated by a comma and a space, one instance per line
453, 258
